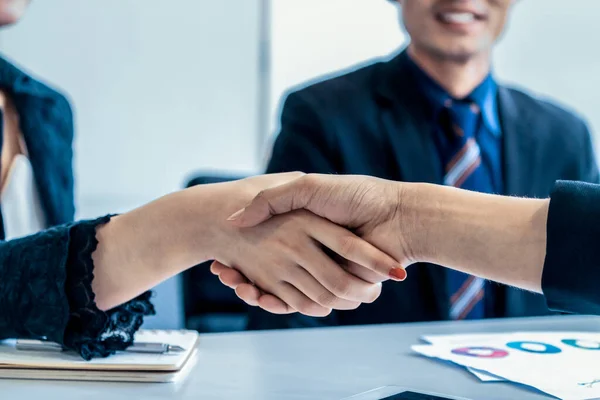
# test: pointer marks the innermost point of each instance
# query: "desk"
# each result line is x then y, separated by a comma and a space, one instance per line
312, 364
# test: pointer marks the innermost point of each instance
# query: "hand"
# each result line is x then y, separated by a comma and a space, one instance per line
499, 238
141, 248
284, 256
371, 207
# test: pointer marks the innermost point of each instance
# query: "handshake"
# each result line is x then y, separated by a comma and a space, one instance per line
320, 242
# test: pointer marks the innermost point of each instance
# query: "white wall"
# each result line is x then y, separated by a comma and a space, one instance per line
550, 48
311, 38
160, 88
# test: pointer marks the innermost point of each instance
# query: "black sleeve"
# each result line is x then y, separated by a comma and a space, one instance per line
32, 280
571, 276
46, 293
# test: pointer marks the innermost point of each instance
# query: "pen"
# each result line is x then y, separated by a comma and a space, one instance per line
141, 347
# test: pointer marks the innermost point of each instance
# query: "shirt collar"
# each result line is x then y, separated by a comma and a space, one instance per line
485, 96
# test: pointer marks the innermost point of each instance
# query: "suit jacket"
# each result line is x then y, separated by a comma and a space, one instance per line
46, 121
372, 121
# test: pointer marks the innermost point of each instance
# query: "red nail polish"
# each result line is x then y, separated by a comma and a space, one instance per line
398, 274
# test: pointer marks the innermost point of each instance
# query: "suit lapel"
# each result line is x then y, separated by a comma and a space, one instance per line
405, 123
521, 152
409, 129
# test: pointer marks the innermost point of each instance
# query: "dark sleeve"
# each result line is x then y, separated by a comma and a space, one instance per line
304, 143
46, 292
571, 276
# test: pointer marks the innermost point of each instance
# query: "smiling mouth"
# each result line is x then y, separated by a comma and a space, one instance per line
459, 17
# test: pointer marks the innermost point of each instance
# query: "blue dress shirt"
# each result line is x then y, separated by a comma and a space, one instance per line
489, 133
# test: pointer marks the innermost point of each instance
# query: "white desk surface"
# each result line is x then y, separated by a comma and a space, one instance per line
312, 364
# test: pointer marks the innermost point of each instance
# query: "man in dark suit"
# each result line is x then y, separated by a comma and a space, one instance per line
434, 113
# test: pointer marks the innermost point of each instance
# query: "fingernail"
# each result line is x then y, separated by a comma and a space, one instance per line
236, 215
398, 274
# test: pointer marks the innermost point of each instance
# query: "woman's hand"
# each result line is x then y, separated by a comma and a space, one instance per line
143, 247
371, 207
284, 256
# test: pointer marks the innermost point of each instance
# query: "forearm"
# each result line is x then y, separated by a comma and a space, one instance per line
142, 248
138, 250
495, 237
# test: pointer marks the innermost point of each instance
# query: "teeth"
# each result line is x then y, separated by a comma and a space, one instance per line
458, 18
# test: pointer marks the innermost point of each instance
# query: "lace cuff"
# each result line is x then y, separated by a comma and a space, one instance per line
90, 331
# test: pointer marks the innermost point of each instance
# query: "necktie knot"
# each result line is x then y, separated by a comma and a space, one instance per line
463, 116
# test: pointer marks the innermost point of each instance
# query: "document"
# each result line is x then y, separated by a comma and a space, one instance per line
562, 364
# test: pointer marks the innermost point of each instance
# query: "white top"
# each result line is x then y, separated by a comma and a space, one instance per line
21, 206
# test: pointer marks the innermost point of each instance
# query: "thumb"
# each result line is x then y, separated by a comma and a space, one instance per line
270, 202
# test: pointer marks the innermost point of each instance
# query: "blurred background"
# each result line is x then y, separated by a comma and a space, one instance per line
163, 90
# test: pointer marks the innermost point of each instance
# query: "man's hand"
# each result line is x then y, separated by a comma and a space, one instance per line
371, 207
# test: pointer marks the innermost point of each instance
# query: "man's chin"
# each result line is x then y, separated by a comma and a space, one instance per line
455, 54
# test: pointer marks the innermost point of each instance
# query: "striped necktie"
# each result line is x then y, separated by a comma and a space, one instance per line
464, 170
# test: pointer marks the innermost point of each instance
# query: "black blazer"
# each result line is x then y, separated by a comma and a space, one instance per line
46, 121
372, 122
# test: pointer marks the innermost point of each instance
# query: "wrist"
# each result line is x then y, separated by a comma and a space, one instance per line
205, 210
136, 251
496, 237
141, 248
416, 215
196, 224
167, 235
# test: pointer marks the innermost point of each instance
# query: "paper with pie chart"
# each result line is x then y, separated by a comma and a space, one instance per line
453, 339
563, 364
